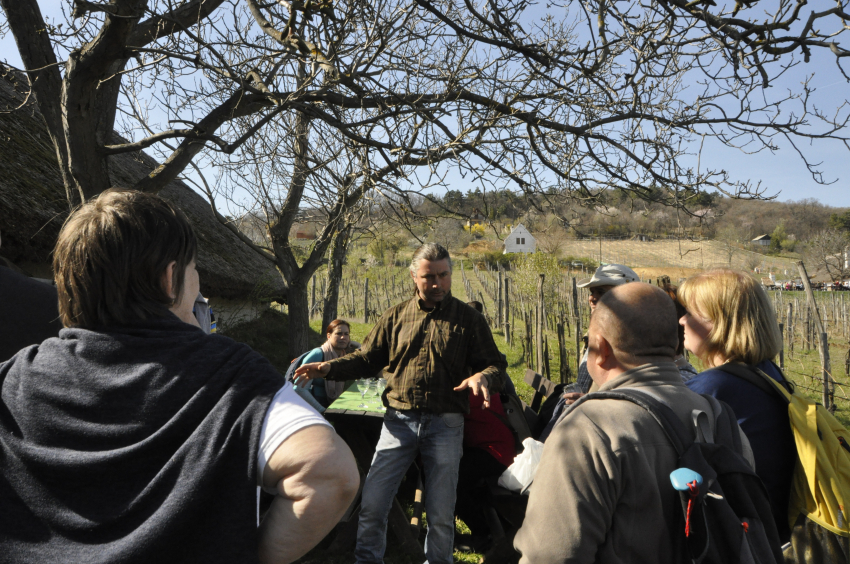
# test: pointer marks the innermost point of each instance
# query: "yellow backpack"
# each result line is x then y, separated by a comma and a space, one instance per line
820, 488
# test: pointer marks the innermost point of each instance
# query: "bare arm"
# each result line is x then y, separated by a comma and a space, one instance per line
316, 479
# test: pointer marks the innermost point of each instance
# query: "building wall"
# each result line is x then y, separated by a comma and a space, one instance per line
521, 233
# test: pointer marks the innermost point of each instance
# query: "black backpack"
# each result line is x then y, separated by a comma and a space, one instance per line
730, 518
290, 372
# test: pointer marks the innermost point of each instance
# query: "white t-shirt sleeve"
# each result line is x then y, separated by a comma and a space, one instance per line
287, 414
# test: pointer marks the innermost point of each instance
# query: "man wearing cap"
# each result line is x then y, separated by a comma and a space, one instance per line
606, 277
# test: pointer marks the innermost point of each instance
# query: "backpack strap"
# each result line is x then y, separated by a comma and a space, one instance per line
758, 378
290, 372
666, 417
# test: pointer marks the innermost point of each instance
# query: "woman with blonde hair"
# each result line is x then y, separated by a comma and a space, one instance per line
730, 319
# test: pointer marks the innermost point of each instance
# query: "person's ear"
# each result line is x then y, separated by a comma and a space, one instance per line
168, 280
604, 352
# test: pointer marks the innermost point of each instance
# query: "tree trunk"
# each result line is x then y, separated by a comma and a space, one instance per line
340, 248
299, 317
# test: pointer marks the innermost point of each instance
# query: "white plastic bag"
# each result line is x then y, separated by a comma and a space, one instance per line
519, 475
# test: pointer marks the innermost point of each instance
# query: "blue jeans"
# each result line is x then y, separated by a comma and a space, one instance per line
439, 439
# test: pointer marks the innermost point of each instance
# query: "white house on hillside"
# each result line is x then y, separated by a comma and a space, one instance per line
520, 241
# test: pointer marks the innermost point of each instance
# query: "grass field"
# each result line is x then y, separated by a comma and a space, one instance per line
672, 253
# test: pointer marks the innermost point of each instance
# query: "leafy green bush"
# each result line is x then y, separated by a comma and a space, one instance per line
527, 271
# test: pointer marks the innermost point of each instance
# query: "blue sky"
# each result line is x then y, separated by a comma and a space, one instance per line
782, 173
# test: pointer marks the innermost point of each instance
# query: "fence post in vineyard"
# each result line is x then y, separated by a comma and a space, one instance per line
508, 312
540, 323
789, 322
847, 364
782, 348
575, 298
528, 339
818, 326
499, 303
834, 315
577, 320
807, 327
563, 366
366, 301
546, 370
828, 385
537, 358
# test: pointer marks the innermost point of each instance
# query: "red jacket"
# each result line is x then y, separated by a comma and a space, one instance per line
483, 429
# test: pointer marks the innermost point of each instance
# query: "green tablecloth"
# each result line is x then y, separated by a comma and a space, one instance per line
350, 399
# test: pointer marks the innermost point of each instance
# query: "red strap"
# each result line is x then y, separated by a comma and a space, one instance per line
693, 492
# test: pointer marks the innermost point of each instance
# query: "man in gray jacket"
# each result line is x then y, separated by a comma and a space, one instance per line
602, 490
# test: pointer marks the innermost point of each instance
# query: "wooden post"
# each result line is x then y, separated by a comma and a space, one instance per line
563, 362
499, 303
828, 387
366, 301
808, 327
847, 364
789, 323
546, 370
818, 326
578, 342
507, 293
576, 312
539, 326
782, 348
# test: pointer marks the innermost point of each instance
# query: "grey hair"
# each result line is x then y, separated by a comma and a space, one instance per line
429, 252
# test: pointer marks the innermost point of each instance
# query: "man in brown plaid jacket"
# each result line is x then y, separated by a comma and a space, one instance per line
429, 345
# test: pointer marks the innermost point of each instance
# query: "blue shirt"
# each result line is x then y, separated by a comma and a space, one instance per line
764, 419
318, 387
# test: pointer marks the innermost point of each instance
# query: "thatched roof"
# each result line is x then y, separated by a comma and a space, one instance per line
33, 204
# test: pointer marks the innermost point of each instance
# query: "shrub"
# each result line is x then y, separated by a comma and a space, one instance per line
527, 270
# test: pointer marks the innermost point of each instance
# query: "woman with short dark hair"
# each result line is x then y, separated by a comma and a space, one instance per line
134, 436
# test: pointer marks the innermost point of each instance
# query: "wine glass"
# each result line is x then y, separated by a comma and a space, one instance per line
381, 386
362, 387
373, 391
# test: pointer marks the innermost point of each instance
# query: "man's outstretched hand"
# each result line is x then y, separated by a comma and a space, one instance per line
311, 370
478, 384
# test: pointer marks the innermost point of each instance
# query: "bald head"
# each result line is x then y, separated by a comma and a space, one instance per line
638, 321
